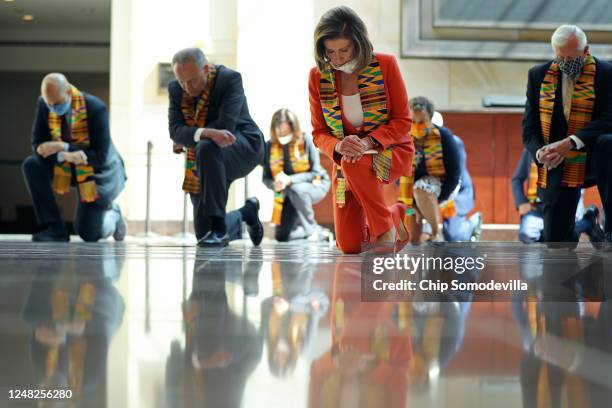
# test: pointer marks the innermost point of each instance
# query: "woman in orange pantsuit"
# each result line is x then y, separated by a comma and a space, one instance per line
361, 120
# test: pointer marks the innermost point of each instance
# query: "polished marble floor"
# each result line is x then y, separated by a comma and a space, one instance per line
159, 323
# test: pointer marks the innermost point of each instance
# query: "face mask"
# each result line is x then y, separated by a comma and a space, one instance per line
60, 109
572, 67
347, 68
283, 140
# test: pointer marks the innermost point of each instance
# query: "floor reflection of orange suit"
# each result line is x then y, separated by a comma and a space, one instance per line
364, 198
374, 331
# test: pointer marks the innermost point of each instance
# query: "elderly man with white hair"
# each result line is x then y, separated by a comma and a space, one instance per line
567, 129
73, 148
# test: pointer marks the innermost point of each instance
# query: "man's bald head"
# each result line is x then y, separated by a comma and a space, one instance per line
54, 88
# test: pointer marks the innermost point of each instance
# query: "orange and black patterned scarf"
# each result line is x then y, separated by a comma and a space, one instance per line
429, 140
195, 115
299, 163
532, 184
374, 102
62, 172
583, 101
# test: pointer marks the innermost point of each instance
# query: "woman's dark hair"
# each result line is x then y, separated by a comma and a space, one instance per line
342, 22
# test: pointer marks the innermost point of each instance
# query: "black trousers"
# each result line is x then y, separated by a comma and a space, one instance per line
219, 167
559, 217
93, 221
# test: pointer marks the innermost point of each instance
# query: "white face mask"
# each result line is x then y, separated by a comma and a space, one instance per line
283, 140
348, 67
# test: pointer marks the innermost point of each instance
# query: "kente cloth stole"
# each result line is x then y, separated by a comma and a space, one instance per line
195, 115
374, 103
77, 345
62, 172
299, 163
532, 184
430, 141
583, 101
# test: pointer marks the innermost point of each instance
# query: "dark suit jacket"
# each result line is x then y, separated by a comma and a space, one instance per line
464, 202
521, 174
228, 110
101, 153
601, 122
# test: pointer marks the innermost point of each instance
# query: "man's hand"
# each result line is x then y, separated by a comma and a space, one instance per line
178, 148
553, 154
78, 157
47, 149
221, 137
351, 148
524, 208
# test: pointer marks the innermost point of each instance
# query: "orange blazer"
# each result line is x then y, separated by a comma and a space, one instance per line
395, 132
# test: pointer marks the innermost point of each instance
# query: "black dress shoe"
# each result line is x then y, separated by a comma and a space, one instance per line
51, 235
255, 229
596, 234
214, 240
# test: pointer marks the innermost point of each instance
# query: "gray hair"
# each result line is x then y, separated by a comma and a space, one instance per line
190, 54
57, 80
421, 103
563, 33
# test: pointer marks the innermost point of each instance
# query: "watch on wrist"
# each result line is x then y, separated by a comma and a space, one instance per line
573, 142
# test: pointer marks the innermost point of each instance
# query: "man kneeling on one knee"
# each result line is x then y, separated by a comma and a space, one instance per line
209, 120
73, 148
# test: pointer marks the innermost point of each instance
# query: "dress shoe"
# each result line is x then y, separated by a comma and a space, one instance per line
121, 227
213, 239
596, 234
255, 228
51, 235
402, 237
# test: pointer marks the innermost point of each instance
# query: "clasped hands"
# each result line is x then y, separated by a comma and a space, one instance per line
553, 154
281, 181
47, 149
352, 148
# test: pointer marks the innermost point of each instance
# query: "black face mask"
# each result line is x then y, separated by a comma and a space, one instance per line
572, 67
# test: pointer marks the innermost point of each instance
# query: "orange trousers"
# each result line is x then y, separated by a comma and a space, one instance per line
365, 215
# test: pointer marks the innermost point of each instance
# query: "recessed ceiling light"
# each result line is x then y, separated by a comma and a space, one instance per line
9, 1
27, 17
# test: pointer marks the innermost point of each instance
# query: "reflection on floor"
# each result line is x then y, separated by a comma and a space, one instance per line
284, 325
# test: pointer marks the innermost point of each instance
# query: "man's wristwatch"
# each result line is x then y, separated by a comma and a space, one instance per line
573, 142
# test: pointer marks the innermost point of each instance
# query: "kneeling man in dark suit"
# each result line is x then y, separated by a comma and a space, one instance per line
567, 129
73, 148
